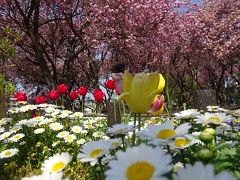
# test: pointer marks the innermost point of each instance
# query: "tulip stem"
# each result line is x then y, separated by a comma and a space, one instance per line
167, 111
114, 109
83, 104
139, 122
124, 111
62, 98
134, 131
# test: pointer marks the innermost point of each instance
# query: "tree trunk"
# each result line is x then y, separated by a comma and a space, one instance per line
113, 113
204, 98
2, 104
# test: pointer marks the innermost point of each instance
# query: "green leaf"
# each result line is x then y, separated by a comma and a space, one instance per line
3, 147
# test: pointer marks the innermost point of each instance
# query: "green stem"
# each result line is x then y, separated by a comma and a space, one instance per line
182, 156
124, 147
83, 101
167, 87
114, 109
168, 112
124, 112
101, 167
134, 131
139, 122
96, 109
62, 101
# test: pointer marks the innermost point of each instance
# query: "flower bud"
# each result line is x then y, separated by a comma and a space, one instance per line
206, 137
205, 154
211, 131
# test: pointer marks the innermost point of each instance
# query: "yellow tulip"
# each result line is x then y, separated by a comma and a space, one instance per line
140, 90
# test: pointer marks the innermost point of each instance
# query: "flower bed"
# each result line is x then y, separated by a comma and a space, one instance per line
60, 143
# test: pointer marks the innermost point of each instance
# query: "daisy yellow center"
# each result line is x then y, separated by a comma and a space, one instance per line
58, 166
166, 133
214, 119
95, 153
115, 144
38, 118
7, 153
1, 123
181, 142
140, 171
120, 130
69, 138
16, 137
222, 128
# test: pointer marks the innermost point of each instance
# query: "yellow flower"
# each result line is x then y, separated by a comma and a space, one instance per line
139, 91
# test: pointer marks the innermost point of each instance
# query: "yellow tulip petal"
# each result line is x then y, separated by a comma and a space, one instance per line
127, 81
161, 84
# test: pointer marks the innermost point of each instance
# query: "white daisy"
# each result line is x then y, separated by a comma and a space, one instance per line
189, 113
70, 138
5, 135
56, 163
203, 173
8, 153
142, 162
2, 129
50, 109
46, 176
120, 129
81, 141
107, 158
31, 123
88, 125
78, 114
38, 118
115, 142
39, 131
76, 129
84, 132
163, 133
7, 119
213, 108
46, 121
183, 142
3, 122
16, 137
213, 118
56, 126
98, 134
62, 134
94, 150
15, 128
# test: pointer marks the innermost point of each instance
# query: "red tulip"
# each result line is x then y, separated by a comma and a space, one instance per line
35, 115
40, 99
157, 106
73, 95
82, 91
62, 88
98, 95
53, 95
110, 84
119, 86
21, 96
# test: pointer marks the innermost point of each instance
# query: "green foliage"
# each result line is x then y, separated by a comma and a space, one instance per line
7, 41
